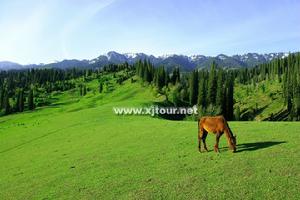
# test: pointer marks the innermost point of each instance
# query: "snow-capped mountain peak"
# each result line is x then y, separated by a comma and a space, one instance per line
168, 60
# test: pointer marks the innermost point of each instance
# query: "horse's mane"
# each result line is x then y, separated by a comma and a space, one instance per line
230, 132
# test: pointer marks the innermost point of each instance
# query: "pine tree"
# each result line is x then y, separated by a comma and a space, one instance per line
160, 78
146, 75
17, 108
141, 66
229, 98
220, 92
80, 90
7, 108
30, 100
175, 78
84, 90
101, 87
1, 98
176, 95
202, 93
212, 85
21, 100
150, 70
296, 103
194, 88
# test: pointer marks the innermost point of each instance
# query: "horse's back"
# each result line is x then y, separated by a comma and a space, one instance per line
213, 123
214, 119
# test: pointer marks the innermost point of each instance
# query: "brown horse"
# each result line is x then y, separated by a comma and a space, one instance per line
217, 125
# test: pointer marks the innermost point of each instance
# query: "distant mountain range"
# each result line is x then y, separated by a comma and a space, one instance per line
186, 63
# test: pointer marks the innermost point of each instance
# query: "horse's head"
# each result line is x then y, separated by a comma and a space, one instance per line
233, 141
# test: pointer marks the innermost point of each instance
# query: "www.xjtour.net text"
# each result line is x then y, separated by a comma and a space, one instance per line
155, 110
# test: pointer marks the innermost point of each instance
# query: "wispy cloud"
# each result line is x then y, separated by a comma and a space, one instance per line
83, 15
19, 33
34, 31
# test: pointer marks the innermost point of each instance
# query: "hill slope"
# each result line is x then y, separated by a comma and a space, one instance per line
77, 148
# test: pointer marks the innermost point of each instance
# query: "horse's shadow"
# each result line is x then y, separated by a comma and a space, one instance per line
253, 146
257, 145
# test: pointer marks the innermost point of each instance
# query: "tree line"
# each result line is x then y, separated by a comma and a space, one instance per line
210, 89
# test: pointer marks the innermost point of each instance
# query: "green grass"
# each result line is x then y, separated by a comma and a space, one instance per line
78, 149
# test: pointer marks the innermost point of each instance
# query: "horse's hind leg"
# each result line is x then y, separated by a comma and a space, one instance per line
204, 140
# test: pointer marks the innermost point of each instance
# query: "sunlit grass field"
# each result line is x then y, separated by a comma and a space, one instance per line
78, 149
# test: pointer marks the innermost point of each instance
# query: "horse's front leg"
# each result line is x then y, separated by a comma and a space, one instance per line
199, 143
216, 147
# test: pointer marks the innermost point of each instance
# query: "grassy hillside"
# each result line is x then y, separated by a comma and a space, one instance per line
260, 101
78, 149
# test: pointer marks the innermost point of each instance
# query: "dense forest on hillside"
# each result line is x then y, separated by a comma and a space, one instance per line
212, 90
26, 89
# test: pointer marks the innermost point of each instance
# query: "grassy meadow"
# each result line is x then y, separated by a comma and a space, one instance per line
77, 148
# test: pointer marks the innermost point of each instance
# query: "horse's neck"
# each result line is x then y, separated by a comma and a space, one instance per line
229, 133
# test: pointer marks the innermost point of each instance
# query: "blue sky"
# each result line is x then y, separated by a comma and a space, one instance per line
35, 31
